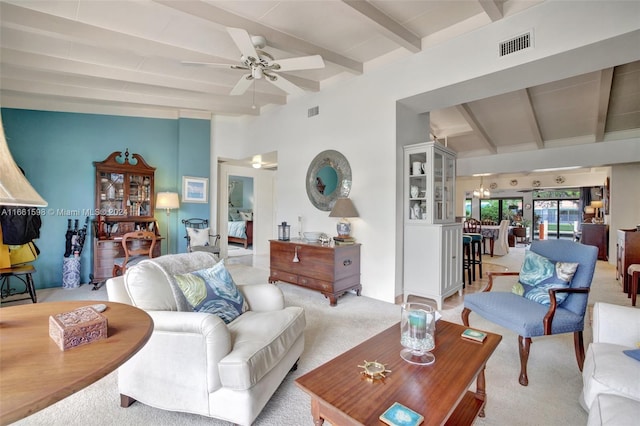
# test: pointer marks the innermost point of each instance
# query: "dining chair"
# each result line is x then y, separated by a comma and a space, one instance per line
545, 311
137, 246
199, 237
501, 245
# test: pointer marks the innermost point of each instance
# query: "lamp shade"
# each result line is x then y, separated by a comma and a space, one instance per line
15, 189
343, 208
596, 204
167, 200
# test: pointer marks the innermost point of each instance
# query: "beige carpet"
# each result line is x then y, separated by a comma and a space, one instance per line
550, 399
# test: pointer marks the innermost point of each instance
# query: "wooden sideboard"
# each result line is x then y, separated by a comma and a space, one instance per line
628, 253
331, 270
596, 234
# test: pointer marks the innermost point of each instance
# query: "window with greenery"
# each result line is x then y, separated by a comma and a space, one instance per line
467, 207
559, 210
497, 209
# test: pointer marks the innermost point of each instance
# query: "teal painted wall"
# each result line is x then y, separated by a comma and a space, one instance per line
193, 160
57, 151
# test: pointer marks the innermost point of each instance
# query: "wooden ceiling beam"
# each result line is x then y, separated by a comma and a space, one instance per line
111, 96
493, 9
604, 95
532, 120
390, 28
470, 118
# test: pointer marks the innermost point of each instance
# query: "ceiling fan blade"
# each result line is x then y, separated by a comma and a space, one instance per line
285, 85
242, 39
242, 85
208, 64
300, 63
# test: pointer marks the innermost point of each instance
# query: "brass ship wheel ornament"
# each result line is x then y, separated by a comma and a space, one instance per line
374, 369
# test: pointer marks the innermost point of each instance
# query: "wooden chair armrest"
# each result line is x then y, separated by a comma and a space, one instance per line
548, 318
492, 274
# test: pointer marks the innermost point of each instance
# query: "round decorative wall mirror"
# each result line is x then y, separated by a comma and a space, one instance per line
328, 177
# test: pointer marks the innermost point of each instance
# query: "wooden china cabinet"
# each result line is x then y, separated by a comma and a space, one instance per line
124, 202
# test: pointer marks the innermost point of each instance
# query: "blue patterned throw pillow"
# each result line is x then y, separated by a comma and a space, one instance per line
539, 274
212, 290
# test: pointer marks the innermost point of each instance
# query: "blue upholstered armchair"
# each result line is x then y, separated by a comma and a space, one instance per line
530, 318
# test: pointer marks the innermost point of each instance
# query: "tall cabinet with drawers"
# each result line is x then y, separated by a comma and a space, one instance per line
124, 202
432, 238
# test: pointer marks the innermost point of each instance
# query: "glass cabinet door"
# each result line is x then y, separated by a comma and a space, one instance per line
139, 202
111, 194
448, 188
439, 204
416, 207
429, 179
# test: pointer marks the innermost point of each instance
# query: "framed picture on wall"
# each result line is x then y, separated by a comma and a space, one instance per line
194, 189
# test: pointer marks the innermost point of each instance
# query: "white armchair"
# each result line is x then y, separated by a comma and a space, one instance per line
611, 379
196, 363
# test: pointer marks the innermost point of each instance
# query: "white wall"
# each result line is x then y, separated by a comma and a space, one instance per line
625, 202
358, 116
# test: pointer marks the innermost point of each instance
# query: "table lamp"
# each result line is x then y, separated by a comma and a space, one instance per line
167, 200
343, 208
597, 205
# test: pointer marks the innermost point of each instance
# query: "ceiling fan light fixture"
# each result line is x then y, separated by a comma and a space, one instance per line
256, 72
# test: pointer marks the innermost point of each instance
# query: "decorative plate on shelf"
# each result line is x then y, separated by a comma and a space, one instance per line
513, 182
493, 185
535, 183
560, 179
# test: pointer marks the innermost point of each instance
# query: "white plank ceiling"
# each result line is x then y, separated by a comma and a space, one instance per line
98, 56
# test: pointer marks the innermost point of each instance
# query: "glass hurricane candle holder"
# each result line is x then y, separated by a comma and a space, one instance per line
417, 333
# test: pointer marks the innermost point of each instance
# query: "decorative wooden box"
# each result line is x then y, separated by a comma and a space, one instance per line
78, 327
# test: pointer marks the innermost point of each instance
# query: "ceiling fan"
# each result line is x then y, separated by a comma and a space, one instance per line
261, 64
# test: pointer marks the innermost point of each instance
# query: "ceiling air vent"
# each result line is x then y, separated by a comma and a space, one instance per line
313, 111
515, 44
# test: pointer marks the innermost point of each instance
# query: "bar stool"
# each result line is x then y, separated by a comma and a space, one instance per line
466, 259
476, 253
634, 271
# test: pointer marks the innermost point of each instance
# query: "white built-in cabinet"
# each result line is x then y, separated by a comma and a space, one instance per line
432, 238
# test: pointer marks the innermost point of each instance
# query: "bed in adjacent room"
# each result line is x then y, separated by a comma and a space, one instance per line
240, 227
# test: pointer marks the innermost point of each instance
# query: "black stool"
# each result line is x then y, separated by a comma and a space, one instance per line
466, 259
476, 253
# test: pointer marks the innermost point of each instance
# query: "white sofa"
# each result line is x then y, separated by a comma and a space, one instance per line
611, 379
196, 363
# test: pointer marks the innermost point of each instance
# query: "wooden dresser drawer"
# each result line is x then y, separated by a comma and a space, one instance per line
279, 275
315, 284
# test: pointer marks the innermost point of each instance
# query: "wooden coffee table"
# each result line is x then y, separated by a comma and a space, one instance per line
35, 373
342, 395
